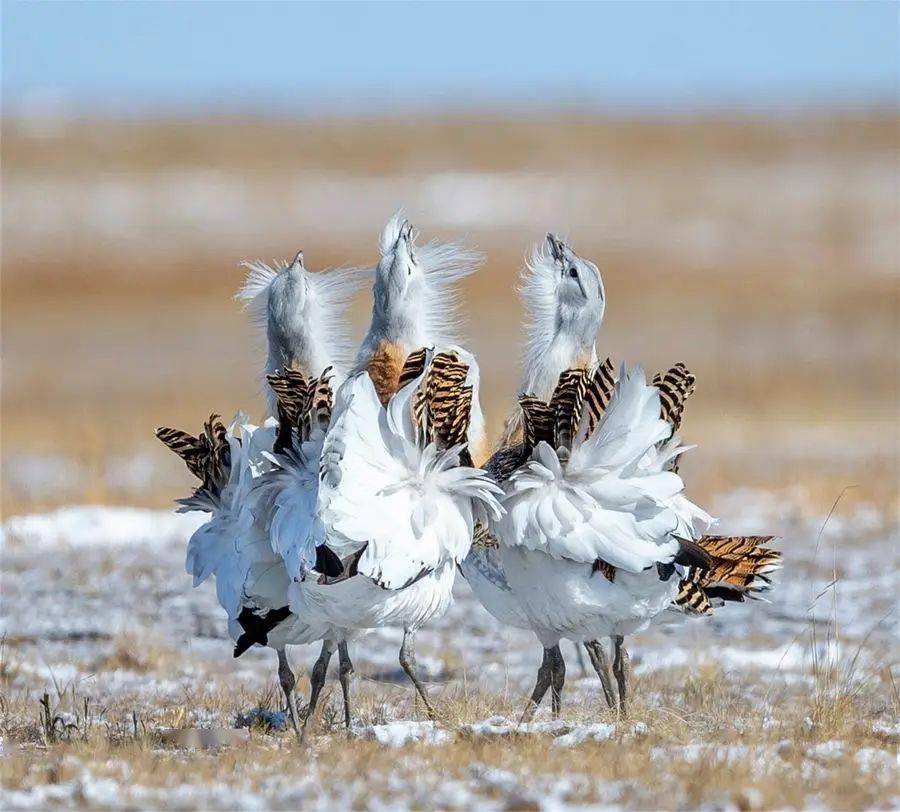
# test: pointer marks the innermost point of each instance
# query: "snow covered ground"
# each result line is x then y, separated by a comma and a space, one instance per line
780, 704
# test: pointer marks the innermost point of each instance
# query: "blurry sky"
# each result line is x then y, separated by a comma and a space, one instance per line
144, 57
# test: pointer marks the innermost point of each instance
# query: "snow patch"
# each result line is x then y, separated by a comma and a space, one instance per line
97, 526
397, 734
598, 732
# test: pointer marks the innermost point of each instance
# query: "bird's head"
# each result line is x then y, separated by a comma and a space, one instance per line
580, 296
399, 277
295, 283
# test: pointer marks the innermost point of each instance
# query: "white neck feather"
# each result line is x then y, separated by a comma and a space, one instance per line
430, 318
303, 315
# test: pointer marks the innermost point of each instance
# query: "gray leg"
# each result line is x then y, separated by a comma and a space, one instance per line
286, 678
579, 654
542, 683
408, 663
600, 662
317, 681
346, 674
557, 679
620, 670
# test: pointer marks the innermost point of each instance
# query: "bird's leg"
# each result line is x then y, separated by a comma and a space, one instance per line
408, 663
620, 670
317, 681
580, 656
346, 674
542, 683
286, 678
600, 662
557, 679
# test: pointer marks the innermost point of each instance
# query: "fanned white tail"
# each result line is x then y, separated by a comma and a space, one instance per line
609, 500
409, 505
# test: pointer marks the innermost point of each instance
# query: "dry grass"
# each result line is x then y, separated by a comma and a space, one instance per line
761, 253
694, 738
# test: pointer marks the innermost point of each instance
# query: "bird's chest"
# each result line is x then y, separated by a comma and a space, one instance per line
384, 368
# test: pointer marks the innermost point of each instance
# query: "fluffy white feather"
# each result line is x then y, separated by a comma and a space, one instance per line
415, 299
303, 314
412, 507
228, 545
602, 502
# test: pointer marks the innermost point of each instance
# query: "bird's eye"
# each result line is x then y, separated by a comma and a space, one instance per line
573, 272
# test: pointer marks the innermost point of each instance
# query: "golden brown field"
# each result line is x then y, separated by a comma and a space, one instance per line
762, 253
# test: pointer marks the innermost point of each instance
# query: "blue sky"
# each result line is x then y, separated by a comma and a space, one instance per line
156, 56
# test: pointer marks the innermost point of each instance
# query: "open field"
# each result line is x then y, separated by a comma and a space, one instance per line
792, 703
763, 253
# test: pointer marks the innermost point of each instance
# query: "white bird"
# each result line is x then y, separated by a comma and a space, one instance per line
565, 301
414, 305
398, 502
570, 389
303, 315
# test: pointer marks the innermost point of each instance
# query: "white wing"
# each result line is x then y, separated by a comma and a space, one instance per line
603, 503
411, 508
285, 498
232, 543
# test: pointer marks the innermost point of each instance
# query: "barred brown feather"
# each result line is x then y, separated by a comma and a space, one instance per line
604, 568
566, 404
207, 457
739, 568
692, 598
185, 446
482, 536
413, 366
504, 462
448, 400
675, 387
598, 394
538, 421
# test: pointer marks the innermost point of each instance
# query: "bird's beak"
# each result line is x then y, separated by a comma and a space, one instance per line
555, 247
297, 264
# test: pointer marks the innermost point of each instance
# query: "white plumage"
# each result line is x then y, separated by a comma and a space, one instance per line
603, 503
405, 508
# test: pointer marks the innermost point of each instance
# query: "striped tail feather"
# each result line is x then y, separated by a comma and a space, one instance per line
413, 367
448, 400
318, 405
304, 402
675, 387
599, 392
538, 422
207, 457
566, 404
186, 446
740, 568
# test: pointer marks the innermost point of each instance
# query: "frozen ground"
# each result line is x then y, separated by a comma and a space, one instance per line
766, 705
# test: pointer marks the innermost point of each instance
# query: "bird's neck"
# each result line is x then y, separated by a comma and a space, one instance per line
394, 333
563, 352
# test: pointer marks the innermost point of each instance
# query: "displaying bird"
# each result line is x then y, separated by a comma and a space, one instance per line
399, 499
416, 305
597, 524
414, 301
303, 314
565, 300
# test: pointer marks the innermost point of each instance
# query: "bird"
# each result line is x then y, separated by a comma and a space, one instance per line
414, 303
565, 301
597, 525
399, 499
303, 315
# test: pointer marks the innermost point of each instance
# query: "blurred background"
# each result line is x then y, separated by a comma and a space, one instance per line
732, 169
